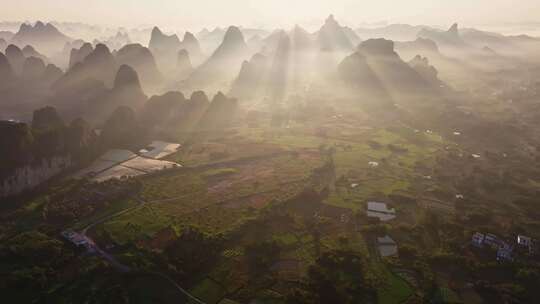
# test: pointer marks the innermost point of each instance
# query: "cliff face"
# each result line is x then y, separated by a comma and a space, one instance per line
30, 156
31, 175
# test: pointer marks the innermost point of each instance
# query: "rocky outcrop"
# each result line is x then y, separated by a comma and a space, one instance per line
31, 156
32, 175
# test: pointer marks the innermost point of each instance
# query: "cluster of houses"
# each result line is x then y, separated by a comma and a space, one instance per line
505, 249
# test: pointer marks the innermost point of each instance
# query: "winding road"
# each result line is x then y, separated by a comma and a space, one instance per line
94, 248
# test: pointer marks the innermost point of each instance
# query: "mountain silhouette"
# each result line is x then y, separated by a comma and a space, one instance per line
250, 79
99, 65
224, 63
183, 64
332, 36
142, 60
78, 55
16, 58
45, 37
7, 75
192, 46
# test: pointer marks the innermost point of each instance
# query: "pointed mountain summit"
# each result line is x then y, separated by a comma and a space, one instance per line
126, 77
142, 60
233, 42
376, 63
300, 39
163, 43
78, 55
453, 30
450, 39
332, 37
360, 79
29, 51
192, 45
250, 78
164, 49
428, 72
223, 64
45, 37
220, 113
126, 92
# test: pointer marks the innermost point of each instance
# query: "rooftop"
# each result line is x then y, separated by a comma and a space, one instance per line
380, 207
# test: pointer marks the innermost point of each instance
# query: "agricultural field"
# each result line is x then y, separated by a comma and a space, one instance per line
267, 212
215, 199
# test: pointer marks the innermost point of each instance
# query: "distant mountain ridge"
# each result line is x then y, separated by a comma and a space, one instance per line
45, 37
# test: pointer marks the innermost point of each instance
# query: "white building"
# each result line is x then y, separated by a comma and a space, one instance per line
381, 211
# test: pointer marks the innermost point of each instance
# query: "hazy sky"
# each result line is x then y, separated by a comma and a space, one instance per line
268, 13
